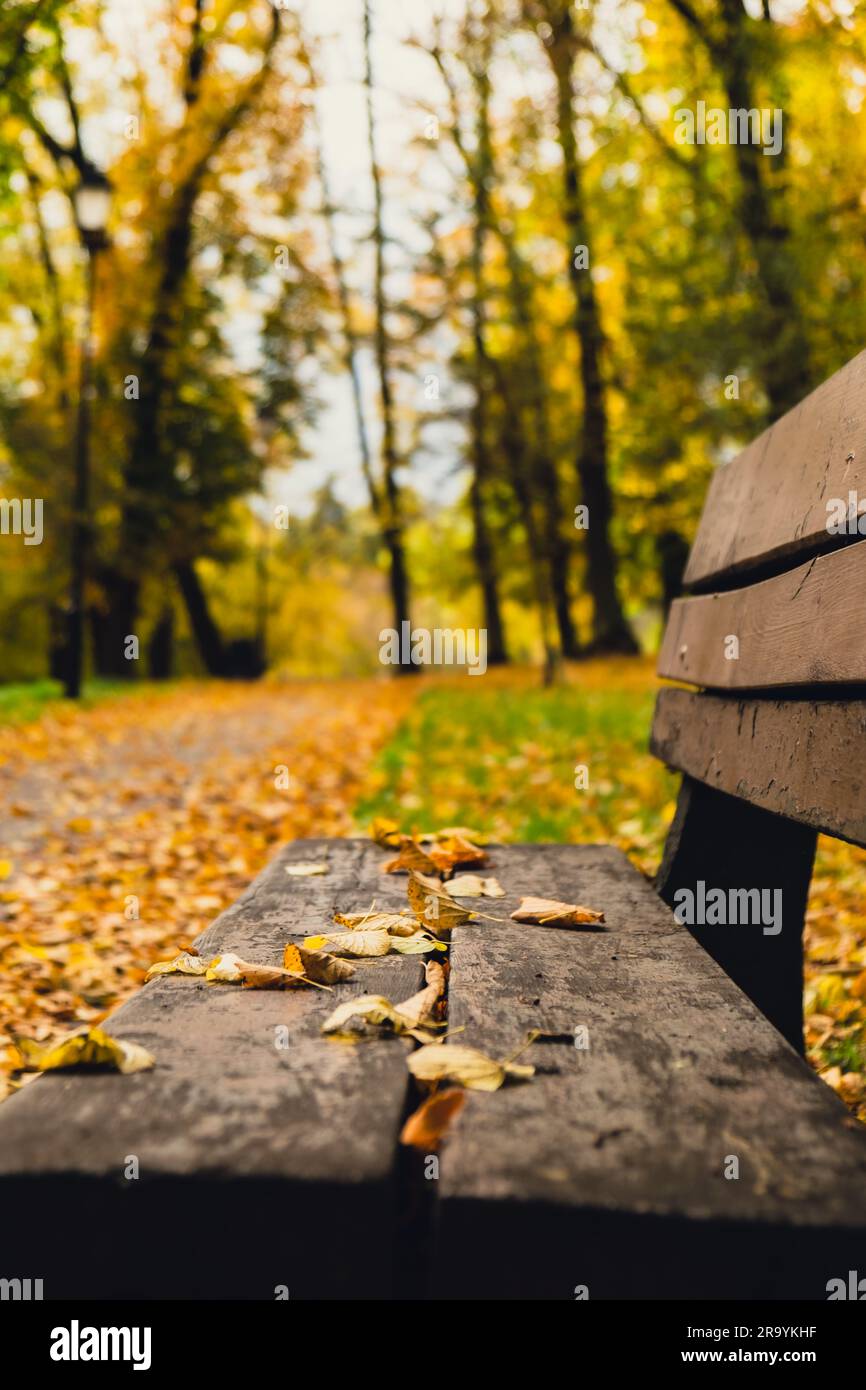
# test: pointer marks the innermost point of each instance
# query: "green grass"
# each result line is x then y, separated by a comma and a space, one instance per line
499, 754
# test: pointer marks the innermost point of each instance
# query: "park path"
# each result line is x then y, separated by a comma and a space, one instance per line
163, 804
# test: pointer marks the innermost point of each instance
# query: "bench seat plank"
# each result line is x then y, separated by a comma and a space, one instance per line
799, 628
259, 1166
607, 1168
796, 758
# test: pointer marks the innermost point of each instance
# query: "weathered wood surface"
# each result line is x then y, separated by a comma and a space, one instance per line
805, 627
262, 1168
607, 1169
258, 1166
770, 503
798, 758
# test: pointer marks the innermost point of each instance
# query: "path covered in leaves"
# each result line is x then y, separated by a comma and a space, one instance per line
127, 827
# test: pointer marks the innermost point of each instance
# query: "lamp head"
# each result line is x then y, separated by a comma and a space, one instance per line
92, 199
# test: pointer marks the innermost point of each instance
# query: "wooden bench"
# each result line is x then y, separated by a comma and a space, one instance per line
610, 1173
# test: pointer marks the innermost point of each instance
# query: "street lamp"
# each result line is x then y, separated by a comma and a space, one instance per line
92, 203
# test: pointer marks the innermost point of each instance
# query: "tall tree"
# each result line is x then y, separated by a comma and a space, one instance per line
742, 50
391, 517
610, 631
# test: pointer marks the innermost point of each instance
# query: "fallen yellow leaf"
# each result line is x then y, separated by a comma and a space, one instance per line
465, 1066
184, 964
471, 886
546, 912
88, 1048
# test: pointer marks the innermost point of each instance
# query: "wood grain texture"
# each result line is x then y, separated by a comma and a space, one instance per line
797, 758
258, 1166
770, 503
801, 628
607, 1169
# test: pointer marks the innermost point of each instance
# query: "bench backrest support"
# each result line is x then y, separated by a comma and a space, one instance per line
773, 635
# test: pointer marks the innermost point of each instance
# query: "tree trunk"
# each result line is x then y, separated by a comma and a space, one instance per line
785, 367
610, 631
160, 651
205, 631
111, 625
557, 551
392, 527
480, 171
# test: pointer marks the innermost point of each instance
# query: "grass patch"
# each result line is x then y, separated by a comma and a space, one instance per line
500, 754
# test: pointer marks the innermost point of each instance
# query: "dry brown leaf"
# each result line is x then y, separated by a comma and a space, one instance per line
269, 977
426, 1126
411, 859
397, 924
454, 852
320, 966
547, 912
472, 886
432, 906
419, 1007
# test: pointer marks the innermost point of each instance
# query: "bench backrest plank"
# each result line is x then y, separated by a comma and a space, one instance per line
804, 627
801, 759
770, 504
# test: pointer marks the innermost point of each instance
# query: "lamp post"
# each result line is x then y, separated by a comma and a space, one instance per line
92, 201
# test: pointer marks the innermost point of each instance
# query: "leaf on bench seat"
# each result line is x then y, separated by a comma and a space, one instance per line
319, 966
433, 907
230, 969
411, 859
546, 912
395, 923
473, 886
454, 852
464, 1065
187, 963
421, 1006
426, 1126
376, 1010
307, 869
91, 1047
